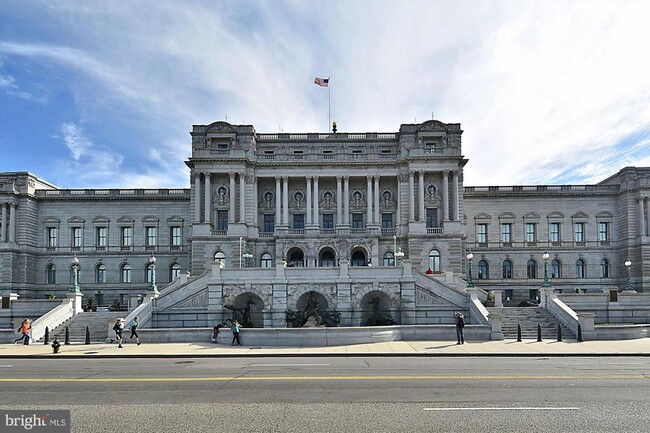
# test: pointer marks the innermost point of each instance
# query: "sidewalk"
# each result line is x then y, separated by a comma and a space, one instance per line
638, 347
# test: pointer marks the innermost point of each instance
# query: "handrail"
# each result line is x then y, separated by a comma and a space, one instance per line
52, 318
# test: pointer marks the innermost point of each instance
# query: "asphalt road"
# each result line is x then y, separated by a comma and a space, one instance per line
533, 394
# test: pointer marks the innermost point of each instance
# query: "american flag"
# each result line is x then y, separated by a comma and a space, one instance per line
323, 82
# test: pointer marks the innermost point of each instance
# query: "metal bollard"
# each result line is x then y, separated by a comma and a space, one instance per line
579, 332
518, 332
46, 339
87, 335
539, 332
559, 332
67, 336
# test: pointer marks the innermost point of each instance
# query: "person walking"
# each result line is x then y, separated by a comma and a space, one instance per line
24, 329
118, 328
460, 324
133, 326
235, 327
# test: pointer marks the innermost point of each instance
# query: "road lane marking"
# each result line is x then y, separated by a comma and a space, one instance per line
6, 366
312, 378
450, 409
286, 365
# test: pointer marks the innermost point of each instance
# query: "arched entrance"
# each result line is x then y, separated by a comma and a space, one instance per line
296, 258
247, 310
358, 257
377, 310
327, 258
312, 310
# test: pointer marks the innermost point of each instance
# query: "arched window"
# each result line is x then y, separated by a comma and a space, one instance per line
389, 259
101, 274
483, 270
220, 258
604, 268
556, 269
580, 268
531, 269
434, 260
266, 261
358, 258
125, 274
507, 269
174, 271
296, 258
149, 273
51, 274
327, 259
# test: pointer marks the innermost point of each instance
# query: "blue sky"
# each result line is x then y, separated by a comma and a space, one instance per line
104, 94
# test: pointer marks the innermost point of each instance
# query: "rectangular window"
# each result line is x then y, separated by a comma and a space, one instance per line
102, 237
298, 154
126, 274
579, 232
52, 236
387, 221
328, 221
269, 154
357, 220
506, 233
603, 232
77, 237
328, 154
432, 218
531, 235
269, 223
481, 233
127, 236
298, 221
555, 232
222, 220
357, 154
151, 236
175, 237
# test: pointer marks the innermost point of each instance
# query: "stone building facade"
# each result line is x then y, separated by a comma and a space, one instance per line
279, 213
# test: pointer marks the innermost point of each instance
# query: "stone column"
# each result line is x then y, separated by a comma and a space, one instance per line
285, 200
642, 231
339, 201
445, 196
197, 198
421, 216
454, 199
647, 214
411, 198
242, 197
346, 200
316, 202
376, 200
208, 197
308, 222
231, 211
3, 228
369, 201
399, 203
12, 222
255, 202
278, 197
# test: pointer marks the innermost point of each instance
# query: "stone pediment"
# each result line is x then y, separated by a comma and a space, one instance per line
150, 219
221, 127
199, 300
555, 215
483, 216
580, 215
51, 220
175, 219
125, 219
531, 216
76, 220
507, 216
101, 220
432, 125
604, 215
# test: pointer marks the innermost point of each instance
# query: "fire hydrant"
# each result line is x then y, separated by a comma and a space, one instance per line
56, 345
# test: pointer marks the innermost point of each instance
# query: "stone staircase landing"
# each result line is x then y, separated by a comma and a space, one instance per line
528, 318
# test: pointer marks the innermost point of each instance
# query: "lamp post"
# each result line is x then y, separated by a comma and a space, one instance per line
241, 239
470, 282
399, 255
628, 284
546, 282
152, 283
75, 275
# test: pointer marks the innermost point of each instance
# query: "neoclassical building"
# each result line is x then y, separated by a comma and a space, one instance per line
364, 224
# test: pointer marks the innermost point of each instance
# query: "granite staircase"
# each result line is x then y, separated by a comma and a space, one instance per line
528, 318
97, 323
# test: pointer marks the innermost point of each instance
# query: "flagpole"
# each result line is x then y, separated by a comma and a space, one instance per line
329, 106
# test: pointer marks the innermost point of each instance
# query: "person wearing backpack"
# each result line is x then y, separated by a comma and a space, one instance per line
460, 324
118, 328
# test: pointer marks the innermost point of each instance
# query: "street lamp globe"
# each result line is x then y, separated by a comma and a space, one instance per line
546, 256
470, 256
546, 282
628, 283
75, 261
152, 259
628, 264
152, 285
470, 282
